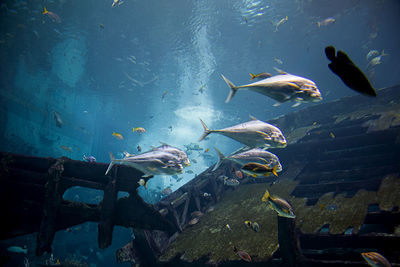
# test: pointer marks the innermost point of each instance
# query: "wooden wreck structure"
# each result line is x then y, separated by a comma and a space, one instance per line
340, 147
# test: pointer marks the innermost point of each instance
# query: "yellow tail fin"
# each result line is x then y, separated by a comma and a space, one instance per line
252, 76
274, 170
266, 196
45, 11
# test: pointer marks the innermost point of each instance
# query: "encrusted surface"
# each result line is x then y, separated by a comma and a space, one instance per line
212, 237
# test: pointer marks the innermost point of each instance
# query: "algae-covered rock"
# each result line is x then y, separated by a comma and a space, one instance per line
212, 237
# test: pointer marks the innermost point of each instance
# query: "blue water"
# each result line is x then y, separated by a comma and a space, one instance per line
106, 70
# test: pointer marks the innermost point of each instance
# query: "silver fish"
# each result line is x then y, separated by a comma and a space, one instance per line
376, 60
253, 155
254, 133
372, 53
151, 163
180, 154
282, 88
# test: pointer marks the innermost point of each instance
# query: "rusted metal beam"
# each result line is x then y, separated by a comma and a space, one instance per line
51, 204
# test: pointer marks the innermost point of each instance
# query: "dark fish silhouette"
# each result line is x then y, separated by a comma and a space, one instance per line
348, 72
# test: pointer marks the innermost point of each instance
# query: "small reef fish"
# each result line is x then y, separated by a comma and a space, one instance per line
89, 158
278, 61
279, 23
239, 174
206, 150
243, 157
375, 259
57, 117
205, 194
16, 249
376, 60
332, 135
151, 163
348, 72
139, 148
371, 54
118, 136
228, 227
254, 133
326, 22
139, 130
117, 3
261, 75
67, 148
253, 225
142, 182
202, 88
255, 169
281, 87
52, 15
194, 221
164, 94
242, 254
231, 182
281, 206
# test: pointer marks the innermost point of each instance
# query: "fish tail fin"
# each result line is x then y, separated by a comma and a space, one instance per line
383, 53
286, 18
253, 76
206, 131
111, 163
274, 170
266, 196
233, 89
45, 11
221, 157
319, 24
133, 129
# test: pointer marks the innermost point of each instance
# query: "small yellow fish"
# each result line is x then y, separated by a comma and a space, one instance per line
375, 259
139, 129
255, 169
247, 223
118, 136
207, 150
280, 23
331, 135
314, 123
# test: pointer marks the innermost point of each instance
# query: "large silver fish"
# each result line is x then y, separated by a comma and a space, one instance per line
254, 133
180, 154
151, 163
282, 88
257, 155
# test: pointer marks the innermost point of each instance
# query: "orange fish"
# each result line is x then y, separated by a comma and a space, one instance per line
242, 254
52, 15
239, 174
206, 150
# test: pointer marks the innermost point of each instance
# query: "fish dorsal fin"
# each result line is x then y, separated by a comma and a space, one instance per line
253, 118
280, 71
126, 154
263, 160
163, 143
